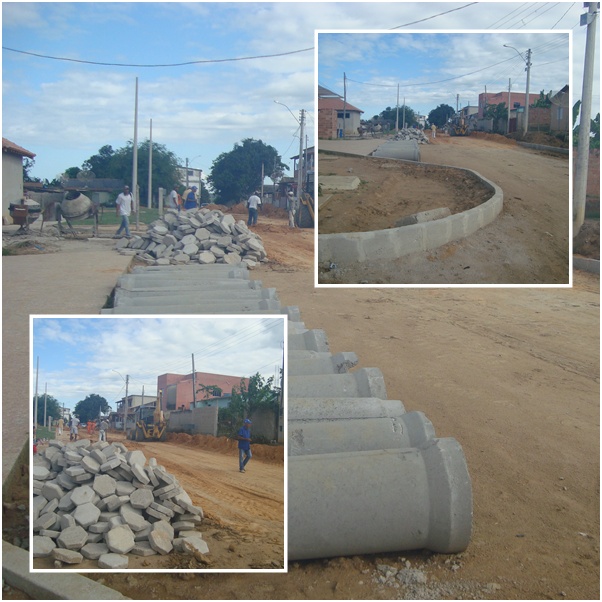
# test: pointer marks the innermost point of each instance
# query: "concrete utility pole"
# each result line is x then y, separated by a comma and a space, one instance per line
150, 167
186, 172
300, 168
580, 184
509, 92
344, 102
125, 403
527, 103
35, 407
45, 400
193, 384
135, 161
397, 116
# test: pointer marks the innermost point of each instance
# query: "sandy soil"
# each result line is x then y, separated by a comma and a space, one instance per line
244, 513
513, 375
528, 243
389, 191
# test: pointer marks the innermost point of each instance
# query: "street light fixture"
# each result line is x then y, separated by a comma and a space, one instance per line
528, 70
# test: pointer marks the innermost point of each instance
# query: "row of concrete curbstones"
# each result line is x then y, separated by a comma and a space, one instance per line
204, 236
101, 502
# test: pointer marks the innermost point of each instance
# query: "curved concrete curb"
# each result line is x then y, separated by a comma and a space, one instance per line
45, 586
586, 264
547, 149
350, 247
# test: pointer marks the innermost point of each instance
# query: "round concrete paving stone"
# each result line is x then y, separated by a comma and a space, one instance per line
45, 521
143, 548
67, 556
42, 546
195, 545
120, 539
52, 490
160, 541
163, 525
90, 465
86, 514
104, 485
141, 498
83, 494
140, 474
133, 518
113, 561
73, 538
40, 473
135, 457
93, 551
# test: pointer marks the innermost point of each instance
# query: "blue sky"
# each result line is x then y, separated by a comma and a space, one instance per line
64, 111
79, 356
438, 68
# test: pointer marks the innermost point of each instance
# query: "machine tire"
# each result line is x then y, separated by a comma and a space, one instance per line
304, 219
139, 434
163, 436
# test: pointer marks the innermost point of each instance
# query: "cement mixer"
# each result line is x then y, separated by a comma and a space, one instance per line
75, 206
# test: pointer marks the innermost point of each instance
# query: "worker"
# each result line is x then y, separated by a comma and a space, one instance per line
253, 205
244, 444
189, 198
291, 206
102, 430
434, 130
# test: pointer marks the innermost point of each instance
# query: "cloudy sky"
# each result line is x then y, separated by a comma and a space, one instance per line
438, 68
64, 109
79, 356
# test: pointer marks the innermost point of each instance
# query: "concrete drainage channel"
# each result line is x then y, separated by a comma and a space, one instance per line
365, 476
347, 248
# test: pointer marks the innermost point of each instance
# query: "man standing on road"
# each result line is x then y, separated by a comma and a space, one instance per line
124, 206
434, 130
291, 206
74, 425
173, 199
253, 204
59, 426
244, 444
102, 430
189, 198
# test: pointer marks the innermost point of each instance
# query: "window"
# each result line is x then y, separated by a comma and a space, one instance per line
340, 115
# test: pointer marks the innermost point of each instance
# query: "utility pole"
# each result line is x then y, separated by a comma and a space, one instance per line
528, 69
45, 399
509, 92
300, 168
397, 116
344, 102
125, 403
150, 167
193, 384
135, 161
580, 185
35, 407
186, 172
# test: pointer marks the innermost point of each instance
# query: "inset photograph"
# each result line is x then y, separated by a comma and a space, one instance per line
158, 444
443, 158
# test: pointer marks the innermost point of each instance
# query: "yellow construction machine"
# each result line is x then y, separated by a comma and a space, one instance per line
150, 423
458, 126
305, 216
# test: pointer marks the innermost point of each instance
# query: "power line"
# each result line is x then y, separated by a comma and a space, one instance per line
434, 16
564, 15
201, 62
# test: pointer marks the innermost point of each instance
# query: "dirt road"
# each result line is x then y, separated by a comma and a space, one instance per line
243, 513
528, 243
513, 375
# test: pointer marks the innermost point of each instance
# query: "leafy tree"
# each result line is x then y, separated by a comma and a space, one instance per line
71, 173
594, 133
389, 116
209, 391
543, 101
440, 115
91, 407
498, 112
101, 164
27, 167
237, 173
259, 394
53, 408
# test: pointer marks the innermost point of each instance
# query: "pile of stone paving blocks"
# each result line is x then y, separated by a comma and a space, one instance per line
99, 501
412, 134
202, 236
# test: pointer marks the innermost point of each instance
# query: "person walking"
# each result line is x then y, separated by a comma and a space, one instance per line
74, 431
434, 130
124, 206
291, 206
59, 426
244, 444
253, 204
173, 199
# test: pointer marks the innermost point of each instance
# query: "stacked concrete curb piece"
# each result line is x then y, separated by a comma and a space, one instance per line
101, 502
365, 476
202, 236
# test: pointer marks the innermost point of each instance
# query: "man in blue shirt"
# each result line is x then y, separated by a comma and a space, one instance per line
244, 444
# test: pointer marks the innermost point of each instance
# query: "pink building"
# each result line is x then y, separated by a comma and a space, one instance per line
495, 99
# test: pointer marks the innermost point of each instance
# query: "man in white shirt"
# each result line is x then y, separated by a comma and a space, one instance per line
253, 204
124, 207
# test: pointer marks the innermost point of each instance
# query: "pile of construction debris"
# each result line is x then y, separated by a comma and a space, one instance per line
204, 236
412, 134
101, 502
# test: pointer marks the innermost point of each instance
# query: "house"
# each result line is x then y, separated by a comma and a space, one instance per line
336, 114
517, 99
560, 111
308, 166
12, 175
178, 388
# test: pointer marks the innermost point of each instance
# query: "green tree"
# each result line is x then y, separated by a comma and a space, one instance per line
259, 394
53, 408
27, 167
389, 115
91, 407
594, 133
543, 101
71, 173
237, 173
209, 391
440, 115
101, 164
498, 112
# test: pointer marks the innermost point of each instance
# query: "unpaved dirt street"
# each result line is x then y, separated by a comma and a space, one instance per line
243, 512
528, 243
513, 375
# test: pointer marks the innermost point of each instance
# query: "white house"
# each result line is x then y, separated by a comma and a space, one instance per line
12, 175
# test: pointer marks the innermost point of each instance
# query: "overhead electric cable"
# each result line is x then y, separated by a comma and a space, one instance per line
564, 15
434, 16
201, 62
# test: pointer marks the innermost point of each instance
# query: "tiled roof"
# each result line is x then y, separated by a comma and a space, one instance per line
337, 104
15, 149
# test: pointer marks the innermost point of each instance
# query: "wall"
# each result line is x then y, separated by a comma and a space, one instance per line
12, 183
198, 421
327, 124
265, 424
